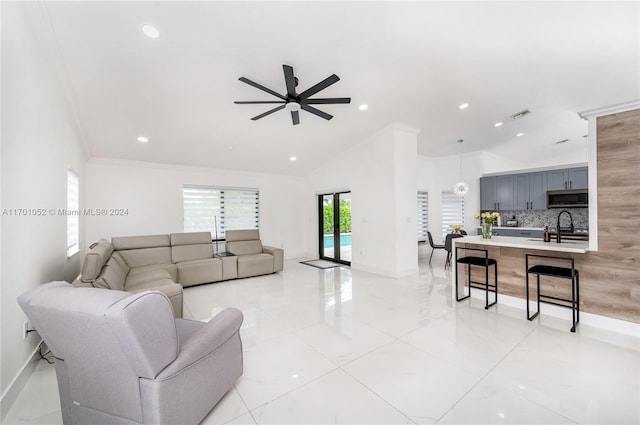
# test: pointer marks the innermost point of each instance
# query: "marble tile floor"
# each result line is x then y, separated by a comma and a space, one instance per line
342, 346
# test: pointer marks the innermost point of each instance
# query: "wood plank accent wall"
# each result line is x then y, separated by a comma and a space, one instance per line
609, 278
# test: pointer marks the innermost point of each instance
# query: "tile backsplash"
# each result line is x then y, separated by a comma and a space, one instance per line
541, 218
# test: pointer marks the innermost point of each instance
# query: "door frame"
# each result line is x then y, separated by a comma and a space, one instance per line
336, 227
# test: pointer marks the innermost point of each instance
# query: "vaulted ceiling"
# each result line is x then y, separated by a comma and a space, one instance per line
410, 62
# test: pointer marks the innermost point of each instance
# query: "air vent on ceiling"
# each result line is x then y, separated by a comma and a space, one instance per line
520, 114
559, 142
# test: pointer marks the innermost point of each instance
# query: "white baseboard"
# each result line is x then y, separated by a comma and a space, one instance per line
13, 390
595, 320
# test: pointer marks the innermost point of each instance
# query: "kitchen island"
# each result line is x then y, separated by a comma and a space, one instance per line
510, 252
572, 246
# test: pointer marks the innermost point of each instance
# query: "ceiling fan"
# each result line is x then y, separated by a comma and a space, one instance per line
293, 101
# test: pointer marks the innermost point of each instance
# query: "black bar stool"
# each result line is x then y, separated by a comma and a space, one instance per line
559, 272
480, 262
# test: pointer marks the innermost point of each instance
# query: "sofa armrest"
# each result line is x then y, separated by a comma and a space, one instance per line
278, 257
205, 341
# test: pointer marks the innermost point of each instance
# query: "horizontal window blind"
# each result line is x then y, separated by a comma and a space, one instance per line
73, 218
232, 208
423, 215
452, 211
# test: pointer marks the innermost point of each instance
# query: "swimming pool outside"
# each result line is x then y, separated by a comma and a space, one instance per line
345, 240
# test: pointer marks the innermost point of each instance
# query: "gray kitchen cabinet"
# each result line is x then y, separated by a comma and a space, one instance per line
530, 191
568, 178
538, 191
578, 178
521, 191
496, 193
557, 179
487, 193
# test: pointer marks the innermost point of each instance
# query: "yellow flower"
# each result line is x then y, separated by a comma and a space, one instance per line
488, 217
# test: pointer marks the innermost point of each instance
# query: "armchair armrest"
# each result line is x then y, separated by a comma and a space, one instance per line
204, 341
278, 256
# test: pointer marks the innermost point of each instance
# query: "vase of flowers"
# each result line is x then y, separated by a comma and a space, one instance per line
487, 220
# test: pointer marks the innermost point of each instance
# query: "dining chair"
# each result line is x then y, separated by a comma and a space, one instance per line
433, 246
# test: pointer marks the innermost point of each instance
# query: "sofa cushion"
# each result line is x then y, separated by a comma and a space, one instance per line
172, 290
112, 276
169, 267
146, 276
140, 251
136, 242
244, 247
191, 246
199, 271
190, 238
242, 235
120, 261
95, 260
146, 256
255, 264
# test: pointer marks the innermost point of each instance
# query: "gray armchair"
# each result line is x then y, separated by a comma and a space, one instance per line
125, 359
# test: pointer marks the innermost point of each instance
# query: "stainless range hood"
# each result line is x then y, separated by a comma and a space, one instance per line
578, 198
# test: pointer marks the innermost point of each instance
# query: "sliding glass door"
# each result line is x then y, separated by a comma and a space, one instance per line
334, 213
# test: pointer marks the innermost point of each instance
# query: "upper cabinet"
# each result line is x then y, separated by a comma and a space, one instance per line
496, 193
528, 191
567, 179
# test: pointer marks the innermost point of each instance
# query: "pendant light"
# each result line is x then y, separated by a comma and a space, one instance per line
461, 188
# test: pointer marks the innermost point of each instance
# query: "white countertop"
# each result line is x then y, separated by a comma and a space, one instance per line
577, 247
519, 228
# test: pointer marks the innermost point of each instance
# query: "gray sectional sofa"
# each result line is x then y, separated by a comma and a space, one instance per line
167, 263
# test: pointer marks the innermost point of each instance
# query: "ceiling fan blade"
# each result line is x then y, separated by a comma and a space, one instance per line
320, 86
250, 102
261, 87
290, 80
317, 112
295, 117
327, 101
271, 111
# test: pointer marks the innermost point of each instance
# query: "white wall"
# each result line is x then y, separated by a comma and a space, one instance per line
39, 143
152, 195
379, 172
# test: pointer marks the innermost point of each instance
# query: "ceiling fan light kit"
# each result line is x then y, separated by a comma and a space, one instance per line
292, 101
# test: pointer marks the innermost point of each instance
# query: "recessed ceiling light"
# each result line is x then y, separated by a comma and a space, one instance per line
363, 107
292, 158
143, 139
519, 134
498, 124
463, 106
150, 31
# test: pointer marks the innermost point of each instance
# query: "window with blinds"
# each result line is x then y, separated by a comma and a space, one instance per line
423, 215
73, 213
231, 208
452, 211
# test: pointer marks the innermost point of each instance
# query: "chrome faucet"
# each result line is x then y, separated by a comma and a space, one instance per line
558, 238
